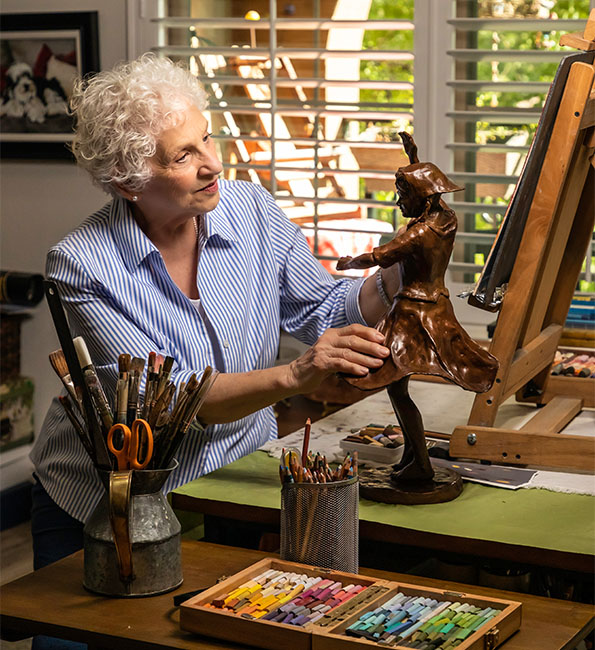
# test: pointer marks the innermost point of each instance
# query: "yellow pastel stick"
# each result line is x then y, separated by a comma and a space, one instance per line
265, 602
236, 594
292, 594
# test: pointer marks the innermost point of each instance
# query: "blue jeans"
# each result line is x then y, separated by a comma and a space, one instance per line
55, 535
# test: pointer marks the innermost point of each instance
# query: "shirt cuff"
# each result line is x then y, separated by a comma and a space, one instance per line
352, 308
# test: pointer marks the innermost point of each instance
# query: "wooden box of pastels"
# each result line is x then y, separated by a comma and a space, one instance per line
275, 604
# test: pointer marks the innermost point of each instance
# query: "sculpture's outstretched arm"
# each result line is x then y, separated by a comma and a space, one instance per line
363, 261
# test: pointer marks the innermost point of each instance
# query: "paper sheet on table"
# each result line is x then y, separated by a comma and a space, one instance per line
510, 478
443, 407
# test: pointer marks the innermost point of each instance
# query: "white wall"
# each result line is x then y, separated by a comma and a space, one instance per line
40, 202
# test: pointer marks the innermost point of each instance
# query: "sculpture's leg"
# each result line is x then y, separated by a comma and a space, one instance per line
395, 390
415, 465
407, 456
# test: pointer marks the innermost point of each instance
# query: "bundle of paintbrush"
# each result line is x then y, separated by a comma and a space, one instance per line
165, 419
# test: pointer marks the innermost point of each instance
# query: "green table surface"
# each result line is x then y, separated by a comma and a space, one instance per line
535, 518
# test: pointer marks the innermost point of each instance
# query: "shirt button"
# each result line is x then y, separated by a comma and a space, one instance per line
225, 344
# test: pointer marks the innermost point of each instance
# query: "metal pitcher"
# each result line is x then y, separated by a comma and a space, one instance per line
132, 539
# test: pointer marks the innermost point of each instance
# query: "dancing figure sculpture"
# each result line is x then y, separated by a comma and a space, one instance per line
420, 327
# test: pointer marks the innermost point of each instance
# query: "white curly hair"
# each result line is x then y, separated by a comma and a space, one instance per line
120, 114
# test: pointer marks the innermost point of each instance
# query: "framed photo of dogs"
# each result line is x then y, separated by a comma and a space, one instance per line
41, 56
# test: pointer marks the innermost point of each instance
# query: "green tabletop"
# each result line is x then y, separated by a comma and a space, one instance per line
527, 517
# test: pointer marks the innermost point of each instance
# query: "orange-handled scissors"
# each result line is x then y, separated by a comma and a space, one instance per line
134, 440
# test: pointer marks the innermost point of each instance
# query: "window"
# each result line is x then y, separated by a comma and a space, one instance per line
319, 127
506, 53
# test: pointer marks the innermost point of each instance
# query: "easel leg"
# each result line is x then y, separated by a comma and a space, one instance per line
523, 343
574, 254
415, 464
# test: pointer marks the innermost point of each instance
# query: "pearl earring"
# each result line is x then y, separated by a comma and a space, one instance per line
135, 198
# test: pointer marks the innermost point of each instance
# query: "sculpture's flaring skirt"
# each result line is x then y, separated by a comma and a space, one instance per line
425, 338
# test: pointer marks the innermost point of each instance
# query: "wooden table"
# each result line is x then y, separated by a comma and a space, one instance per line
53, 601
484, 524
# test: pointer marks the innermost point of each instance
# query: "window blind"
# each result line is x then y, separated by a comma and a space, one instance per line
319, 127
307, 100
503, 57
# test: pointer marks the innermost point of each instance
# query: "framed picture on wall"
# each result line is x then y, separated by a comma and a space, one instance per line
41, 56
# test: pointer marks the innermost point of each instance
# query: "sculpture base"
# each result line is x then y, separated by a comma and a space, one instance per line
376, 485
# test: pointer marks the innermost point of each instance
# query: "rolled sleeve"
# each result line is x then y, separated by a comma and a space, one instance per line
352, 306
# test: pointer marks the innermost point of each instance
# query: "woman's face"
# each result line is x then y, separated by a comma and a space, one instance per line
186, 167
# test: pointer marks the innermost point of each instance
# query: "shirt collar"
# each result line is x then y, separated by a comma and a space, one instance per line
219, 221
135, 246
132, 242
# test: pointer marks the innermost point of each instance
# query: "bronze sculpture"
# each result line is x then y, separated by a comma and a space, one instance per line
421, 329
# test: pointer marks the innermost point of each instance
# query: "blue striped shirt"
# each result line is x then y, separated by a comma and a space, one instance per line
256, 275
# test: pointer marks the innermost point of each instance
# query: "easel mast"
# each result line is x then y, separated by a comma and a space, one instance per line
545, 273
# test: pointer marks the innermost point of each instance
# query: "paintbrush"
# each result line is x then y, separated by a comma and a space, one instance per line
136, 368
149, 385
161, 415
63, 330
149, 396
161, 404
164, 373
184, 395
161, 394
167, 432
190, 413
93, 384
58, 361
151, 362
78, 427
205, 385
169, 421
122, 388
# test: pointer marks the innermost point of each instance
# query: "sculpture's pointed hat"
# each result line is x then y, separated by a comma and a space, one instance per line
424, 178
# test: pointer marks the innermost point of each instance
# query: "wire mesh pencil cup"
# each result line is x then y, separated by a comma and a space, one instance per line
320, 524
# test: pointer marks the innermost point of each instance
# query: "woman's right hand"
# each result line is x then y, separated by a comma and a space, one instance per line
352, 350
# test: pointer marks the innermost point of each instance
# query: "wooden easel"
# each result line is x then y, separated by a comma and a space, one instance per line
553, 246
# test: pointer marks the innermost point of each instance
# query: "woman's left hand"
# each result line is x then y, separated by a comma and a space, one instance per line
352, 350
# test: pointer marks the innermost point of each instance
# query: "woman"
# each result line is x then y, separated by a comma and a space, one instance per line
186, 265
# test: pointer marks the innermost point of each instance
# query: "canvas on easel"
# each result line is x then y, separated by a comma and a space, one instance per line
554, 234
